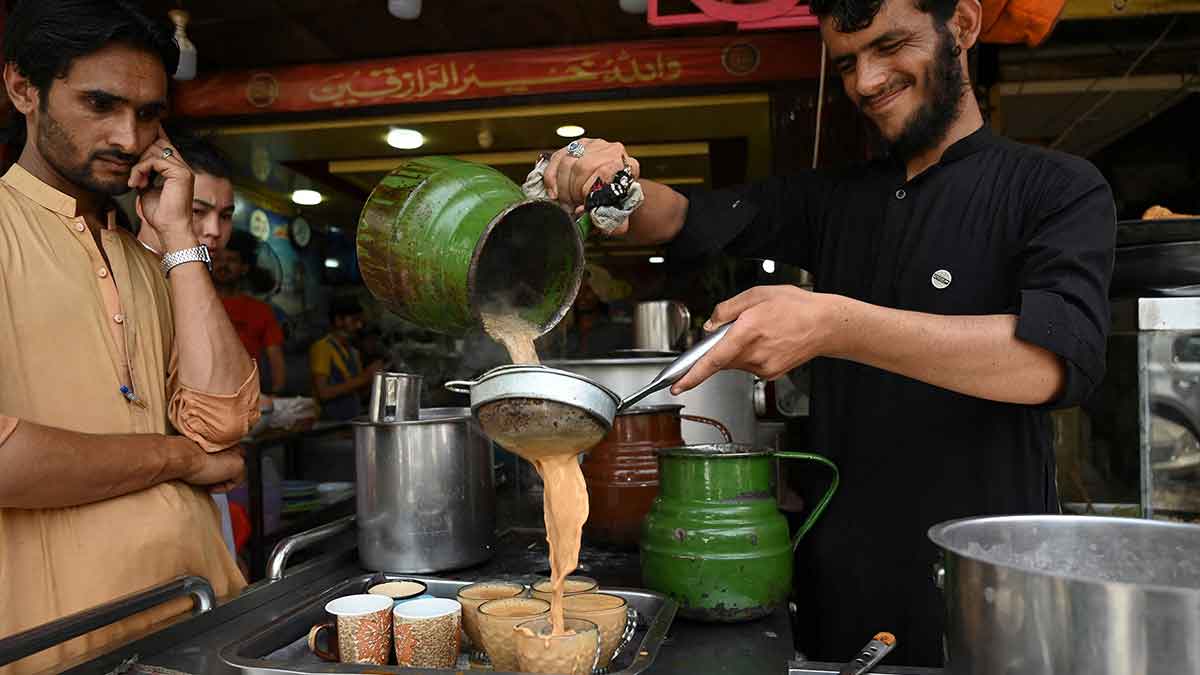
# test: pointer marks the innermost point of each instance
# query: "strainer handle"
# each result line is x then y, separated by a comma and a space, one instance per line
460, 386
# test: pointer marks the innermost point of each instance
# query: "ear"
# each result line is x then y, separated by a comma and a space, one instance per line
21, 92
966, 23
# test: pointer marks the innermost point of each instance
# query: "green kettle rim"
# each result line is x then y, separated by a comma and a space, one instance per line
715, 451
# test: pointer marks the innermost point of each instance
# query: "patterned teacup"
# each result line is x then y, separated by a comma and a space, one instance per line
575, 653
498, 618
611, 614
364, 630
572, 585
474, 595
427, 633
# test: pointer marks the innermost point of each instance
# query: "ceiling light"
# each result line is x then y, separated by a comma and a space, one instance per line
404, 9
569, 131
306, 197
405, 139
657, 260
332, 263
769, 266
633, 6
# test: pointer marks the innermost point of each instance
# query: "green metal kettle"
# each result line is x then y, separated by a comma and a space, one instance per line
714, 539
440, 240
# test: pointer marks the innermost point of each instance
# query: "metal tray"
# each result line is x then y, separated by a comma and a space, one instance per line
260, 652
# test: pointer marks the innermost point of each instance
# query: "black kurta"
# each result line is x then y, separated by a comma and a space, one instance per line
995, 227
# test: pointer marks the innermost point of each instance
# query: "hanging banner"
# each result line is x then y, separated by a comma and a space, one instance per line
459, 76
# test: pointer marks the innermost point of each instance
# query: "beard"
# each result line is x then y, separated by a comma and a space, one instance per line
929, 124
56, 147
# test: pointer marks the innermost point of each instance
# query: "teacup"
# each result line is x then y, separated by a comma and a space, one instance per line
498, 618
364, 630
575, 653
427, 633
611, 614
572, 585
400, 590
474, 595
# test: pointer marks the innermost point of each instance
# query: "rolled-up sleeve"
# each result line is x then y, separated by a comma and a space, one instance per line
214, 421
1066, 268
7, 426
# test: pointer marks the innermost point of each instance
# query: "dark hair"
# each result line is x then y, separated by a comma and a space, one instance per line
854, 15
200, 153
343, 306
42, 38
245, 245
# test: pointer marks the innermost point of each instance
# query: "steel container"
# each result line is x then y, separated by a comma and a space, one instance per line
426, 492
1047, 595
714, 540
727, 396
439, 239
660, 325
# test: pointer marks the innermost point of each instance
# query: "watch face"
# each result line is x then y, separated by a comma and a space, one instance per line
301, 232
260, 225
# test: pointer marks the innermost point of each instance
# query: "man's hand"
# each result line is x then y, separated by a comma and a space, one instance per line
218, 471
777, 329
569, 179
167, 208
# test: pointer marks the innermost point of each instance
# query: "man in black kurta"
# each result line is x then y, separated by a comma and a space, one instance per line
960, 294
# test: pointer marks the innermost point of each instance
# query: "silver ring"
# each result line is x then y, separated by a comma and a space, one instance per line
575, 148
167, 152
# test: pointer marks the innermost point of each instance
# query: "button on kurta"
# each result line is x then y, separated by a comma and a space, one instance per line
102, 273
119, 318
901, 194
80, 227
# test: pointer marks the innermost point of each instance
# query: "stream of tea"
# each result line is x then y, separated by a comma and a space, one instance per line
552, 451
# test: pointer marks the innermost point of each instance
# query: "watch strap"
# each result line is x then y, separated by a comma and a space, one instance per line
197, 253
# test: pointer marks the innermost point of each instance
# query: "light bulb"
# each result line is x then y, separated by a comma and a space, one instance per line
769, 266
633, 6
570, 131
657, 260
405, 9
405, 139
306, 197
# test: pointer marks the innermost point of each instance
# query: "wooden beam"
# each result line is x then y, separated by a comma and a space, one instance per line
385, 164
1116, 9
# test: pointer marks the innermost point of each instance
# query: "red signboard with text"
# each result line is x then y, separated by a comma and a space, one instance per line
721, 60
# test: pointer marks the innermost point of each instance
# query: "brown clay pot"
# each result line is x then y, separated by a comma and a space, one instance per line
621, 471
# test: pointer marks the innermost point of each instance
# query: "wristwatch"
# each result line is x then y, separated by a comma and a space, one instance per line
194, 254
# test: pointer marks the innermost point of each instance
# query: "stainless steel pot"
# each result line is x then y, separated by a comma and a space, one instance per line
426, 492
727, 396
1050, 595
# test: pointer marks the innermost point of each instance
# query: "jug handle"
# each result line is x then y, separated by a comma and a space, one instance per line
459, 386
685, 321
820, 507
711, 422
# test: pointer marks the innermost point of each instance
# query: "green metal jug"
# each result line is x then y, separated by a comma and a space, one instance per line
714, 539
440, 240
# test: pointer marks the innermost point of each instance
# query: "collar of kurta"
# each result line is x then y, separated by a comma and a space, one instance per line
47, 197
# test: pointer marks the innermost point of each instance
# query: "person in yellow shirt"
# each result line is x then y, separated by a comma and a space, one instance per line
338, 375
125, 386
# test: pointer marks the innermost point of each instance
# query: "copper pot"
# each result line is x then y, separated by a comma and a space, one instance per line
622, 471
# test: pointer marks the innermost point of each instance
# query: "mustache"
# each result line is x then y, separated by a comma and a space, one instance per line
116, 156
892, 87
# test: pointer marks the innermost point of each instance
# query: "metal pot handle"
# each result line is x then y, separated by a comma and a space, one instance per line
685, 321
824, 501
460, 386
711, 422
59, 631
286, 547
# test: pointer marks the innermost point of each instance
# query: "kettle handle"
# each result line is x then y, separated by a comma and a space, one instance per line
824, 501
460, 386
721, 428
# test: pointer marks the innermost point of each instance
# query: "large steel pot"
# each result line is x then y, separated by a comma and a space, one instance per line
727, 396
1050, 595
426, 492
